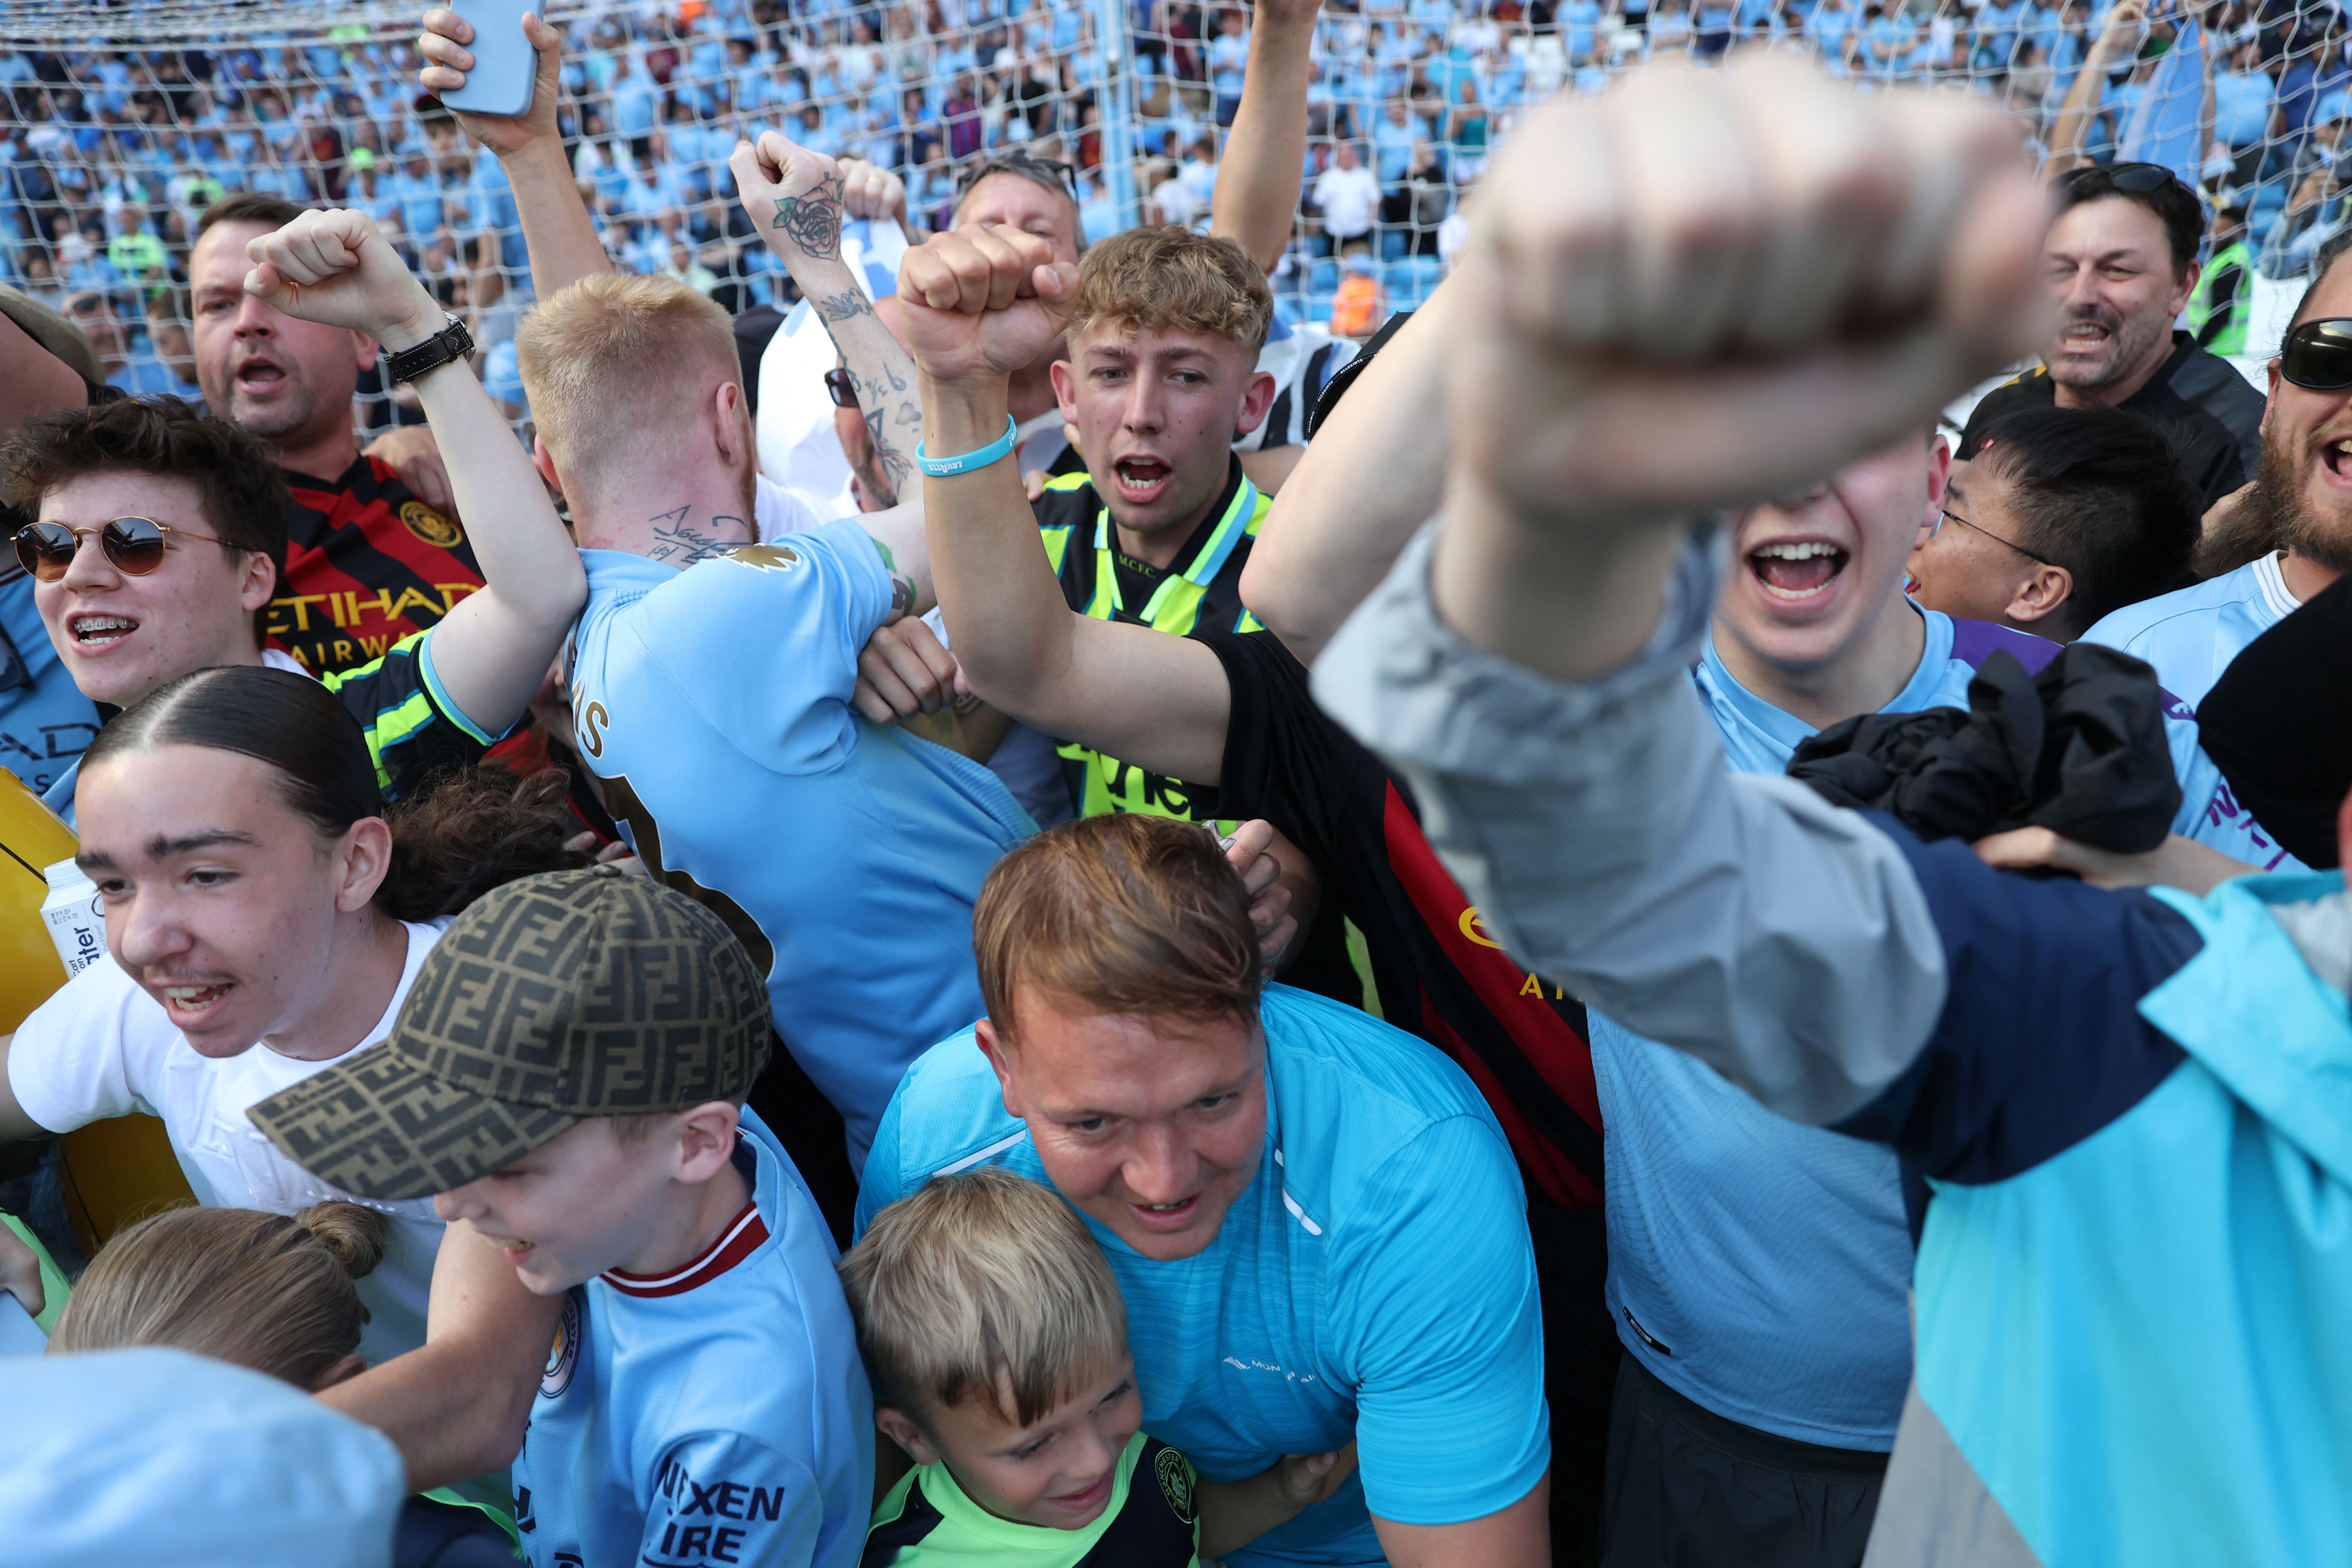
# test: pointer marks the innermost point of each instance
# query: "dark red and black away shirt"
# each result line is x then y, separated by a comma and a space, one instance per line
366, 565
1437, 972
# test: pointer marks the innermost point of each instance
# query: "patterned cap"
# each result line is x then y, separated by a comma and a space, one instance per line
551, 1000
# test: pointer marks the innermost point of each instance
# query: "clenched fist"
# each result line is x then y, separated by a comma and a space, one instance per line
337, 269
976, 303
792, 193
1710, 287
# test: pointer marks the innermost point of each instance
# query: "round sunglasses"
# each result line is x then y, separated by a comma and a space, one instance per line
2318, 356
133, 545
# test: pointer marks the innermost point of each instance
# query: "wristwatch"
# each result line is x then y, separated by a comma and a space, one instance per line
451, 343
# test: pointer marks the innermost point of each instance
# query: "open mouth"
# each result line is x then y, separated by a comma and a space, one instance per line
2084, 337
1141, 480
259, 375
2337, 455
185, 1002
1168, 1216
99, 631
1797, 571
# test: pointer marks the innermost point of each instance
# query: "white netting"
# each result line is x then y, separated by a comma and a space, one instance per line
124, 121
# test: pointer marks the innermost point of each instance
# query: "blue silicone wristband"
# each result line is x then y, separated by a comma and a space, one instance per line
949, 468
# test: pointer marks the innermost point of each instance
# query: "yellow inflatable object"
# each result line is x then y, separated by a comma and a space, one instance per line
119, 1171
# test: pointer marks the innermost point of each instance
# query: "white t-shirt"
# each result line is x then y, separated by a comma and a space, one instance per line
1351, 200
783, 510
101, 1046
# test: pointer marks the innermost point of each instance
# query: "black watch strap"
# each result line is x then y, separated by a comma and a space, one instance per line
451, 343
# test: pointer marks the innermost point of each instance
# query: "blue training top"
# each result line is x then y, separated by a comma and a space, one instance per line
717, 1413
1375, 1280
715, 704
46, 723
1756, 1264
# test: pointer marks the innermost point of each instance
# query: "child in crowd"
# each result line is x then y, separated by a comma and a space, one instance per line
996, 1339
277, 1295
569, 1078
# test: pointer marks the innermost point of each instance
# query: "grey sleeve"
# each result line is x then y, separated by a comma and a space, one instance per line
1742, 919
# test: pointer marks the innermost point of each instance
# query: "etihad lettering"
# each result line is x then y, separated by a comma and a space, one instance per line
353, 607
1476, 929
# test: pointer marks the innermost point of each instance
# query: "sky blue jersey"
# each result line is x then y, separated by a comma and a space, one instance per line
2192, 634
715, 704
1374, 1280
1755, 1265
46, 723
714, 1415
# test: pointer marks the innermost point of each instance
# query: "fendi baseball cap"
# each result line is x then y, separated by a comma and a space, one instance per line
550, 1000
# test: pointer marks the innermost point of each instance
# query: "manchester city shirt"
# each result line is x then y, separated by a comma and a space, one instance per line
1151, 1522
715, 1416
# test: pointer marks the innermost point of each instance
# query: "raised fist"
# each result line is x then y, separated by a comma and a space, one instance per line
975, 302
337, 269
871, 191
793, 195
1707, 288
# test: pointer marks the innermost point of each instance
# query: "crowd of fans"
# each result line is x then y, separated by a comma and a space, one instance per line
1040, 911
114, 149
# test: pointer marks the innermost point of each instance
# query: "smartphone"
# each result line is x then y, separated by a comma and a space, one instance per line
506, 68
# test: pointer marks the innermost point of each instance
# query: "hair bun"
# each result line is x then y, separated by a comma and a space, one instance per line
354, 1235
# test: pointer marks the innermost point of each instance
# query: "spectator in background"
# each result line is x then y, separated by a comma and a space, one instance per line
2064, 515
2121, 265
1228, 63
1349, 197
2218, 310
1357, 309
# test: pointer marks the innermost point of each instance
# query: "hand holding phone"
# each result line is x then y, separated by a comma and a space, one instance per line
495, 66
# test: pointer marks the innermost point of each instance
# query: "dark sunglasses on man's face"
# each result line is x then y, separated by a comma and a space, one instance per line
2318, 356
842, 388
134, 545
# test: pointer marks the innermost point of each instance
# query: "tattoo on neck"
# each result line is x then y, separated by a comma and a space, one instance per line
811, 220
681, 542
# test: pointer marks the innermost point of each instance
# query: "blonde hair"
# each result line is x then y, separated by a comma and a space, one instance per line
977, 1285
613, 357
258, 1290
1174, 279
1127, 912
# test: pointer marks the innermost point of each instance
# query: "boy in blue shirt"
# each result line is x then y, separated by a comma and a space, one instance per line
568, 1077
997, 1336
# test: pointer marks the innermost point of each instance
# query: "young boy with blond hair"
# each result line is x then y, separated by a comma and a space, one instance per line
995, 1336
568, 1077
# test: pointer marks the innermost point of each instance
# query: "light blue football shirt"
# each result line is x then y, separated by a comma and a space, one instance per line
1760, 1267
715, 704
2192, 634
1374, 1280
716, 1414
46, 723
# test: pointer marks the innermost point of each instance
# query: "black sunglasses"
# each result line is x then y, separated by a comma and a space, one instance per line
134, 545
2140, 178
2318, 356
843, 386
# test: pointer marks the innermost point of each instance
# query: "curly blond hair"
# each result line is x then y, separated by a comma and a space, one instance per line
1174, 279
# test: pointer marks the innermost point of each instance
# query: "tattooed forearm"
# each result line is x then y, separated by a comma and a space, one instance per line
811, 220
840, 307
895, 464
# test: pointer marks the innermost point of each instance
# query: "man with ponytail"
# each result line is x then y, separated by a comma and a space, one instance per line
162, 537
267, 917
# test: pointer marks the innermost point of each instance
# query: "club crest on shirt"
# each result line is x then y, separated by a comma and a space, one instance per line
767, 557
563, 1355
1174, 1484
430, 526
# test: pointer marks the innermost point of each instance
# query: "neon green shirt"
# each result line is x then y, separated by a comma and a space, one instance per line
1151, 1522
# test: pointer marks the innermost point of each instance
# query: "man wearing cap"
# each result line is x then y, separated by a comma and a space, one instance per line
568, 1076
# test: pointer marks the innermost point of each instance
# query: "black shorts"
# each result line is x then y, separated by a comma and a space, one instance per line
1690, 1488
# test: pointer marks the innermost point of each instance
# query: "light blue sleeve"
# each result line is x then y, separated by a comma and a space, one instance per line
1436, 1313
884, 1181
2209, 812
724, 1498
764, 643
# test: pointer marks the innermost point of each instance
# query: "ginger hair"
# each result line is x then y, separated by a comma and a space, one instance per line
613, 364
